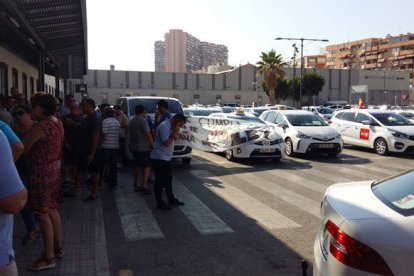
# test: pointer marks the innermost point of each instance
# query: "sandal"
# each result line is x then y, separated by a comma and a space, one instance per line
59, 253
31, 237
43, 264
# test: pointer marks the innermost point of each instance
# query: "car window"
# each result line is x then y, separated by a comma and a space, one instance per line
338, 115
391, 119
397, 192
271, 117
305, 120
407, 115
362, 117
325, 110
348, 116
280, 119
151, 105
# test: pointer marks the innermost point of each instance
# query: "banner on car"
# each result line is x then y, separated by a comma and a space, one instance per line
220, 134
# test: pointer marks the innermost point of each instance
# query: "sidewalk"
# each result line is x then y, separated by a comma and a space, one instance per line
84, 242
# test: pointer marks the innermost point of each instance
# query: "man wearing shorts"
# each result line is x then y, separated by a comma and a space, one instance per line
140, 144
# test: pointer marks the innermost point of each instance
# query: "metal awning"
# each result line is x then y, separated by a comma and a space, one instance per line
56, 28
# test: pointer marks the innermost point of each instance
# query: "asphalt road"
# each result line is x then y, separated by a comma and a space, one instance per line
250, 217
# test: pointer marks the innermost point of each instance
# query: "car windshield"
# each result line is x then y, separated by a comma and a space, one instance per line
259, 111
247, 118
227, 109
305, 120
151, 105
397, 192
200, 112
391, 119
325, 110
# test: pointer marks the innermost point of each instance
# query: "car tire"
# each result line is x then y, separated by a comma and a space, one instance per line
381, 146
186, 160
289, 147
229, 155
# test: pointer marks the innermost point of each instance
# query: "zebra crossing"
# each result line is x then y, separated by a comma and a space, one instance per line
228, 182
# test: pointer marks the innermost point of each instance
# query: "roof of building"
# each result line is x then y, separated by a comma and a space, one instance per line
56, 27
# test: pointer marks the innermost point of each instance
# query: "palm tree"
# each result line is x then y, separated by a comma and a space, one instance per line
271, 67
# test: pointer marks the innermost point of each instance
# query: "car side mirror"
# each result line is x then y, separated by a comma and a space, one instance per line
366, 122
283, 126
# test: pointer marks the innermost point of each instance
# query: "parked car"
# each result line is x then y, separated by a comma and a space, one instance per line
128, 105
409, 114
304, 132
323, 112
201, 111
367, 228
272, 147
384, 131
256, 111
228, 109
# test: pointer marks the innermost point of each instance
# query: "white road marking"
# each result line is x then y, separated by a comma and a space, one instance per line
205, 220
375, 168
245, 203
136, 217
330, 177
305, 204
289, 175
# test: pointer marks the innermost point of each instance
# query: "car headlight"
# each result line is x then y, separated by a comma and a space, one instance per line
339, 136
398, 134
302, 136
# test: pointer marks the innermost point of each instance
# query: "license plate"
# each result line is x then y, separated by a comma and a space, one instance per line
266, 150
325, 146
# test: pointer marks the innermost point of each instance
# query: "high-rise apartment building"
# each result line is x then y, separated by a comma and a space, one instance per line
185, 53
391, 52
159, 51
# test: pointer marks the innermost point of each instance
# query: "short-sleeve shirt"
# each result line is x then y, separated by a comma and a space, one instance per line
138, 141
91, 125
110, 131
164, 117
160, 151
8, 132
10, 184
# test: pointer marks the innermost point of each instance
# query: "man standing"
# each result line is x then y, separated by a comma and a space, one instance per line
110, 145
123, 121
13, 198
140, 144
162, 113
66, 108
161, 155
89, 157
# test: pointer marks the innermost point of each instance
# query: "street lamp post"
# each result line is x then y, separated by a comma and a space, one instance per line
257, 96
295, 51
301, 59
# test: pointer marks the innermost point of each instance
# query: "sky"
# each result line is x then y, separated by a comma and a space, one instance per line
123, 32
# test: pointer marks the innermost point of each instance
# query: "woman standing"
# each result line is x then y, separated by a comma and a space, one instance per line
44, 142
23, 124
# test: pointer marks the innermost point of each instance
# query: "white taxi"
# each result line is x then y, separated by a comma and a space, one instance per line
272, 147
382, 130
304, 132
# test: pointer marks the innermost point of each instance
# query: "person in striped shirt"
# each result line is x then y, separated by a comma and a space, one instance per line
110, 144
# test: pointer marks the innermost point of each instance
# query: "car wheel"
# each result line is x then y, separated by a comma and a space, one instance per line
289, 147
380, 146
186, 160
229, 154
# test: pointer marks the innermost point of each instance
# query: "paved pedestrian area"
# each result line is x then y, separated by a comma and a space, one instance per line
83, 240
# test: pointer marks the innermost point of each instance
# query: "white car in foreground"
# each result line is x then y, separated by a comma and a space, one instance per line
272, 147
367, 228
304, 132
382, 130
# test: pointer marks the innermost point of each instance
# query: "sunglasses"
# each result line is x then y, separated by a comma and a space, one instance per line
19, 113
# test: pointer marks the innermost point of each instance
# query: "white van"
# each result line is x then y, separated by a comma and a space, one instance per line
128, 105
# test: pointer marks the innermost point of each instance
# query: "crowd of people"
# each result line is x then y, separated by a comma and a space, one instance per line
48, 144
